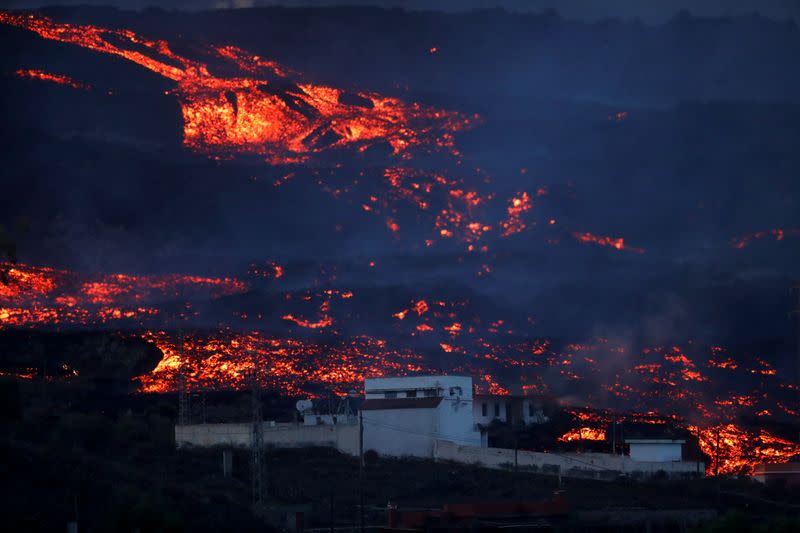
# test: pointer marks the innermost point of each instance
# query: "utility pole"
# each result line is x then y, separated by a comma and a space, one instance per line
332, 526
614, 437
796, 313
361, 469
183, 400
203, 404
516, 467
257, 458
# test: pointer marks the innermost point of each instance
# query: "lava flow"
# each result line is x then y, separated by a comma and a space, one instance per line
704, 389
778, 234
614, 242
59, 79
733, 449
270, 111
583, 433
264, 112
45, 297
226, 359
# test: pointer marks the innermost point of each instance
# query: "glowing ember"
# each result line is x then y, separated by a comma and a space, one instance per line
617, 243
41, 75
266, 270
514, 224
778, 234
323, 322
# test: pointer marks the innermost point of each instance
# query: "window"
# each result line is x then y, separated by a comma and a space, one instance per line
411, 394
455, 391
390, 395
484, 409
430, 392
497, 410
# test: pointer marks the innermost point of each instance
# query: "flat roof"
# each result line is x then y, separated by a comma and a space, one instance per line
430, 402
413, 376
655, 441
400, 383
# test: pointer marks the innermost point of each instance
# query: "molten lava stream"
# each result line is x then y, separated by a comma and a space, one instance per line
223, 360
263, 111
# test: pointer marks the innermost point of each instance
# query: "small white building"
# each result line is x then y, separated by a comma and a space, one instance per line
405, 416
656, 450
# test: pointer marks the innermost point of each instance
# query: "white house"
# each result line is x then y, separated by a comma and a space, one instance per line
656, 450
407, 415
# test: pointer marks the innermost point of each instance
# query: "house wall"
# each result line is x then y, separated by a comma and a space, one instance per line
660, 452
312, 419
477, 410
401, 432
534, 406
456, 422
520, 410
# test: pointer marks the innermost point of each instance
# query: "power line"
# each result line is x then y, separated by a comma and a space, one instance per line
257, 458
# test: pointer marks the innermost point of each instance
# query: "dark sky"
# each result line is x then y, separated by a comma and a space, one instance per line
653, 11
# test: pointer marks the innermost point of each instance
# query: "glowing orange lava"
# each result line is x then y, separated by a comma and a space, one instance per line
514, 223
265, 112
274, 112
59, 79
42, 296
778, 234
583, 433
270, 111
223, 359
735, 450
617, 243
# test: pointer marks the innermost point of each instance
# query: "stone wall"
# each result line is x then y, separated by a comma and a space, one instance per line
595, 465
343, 437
